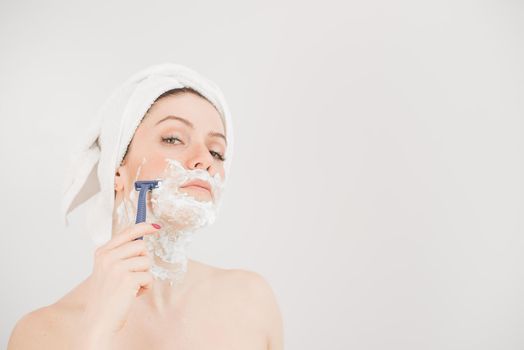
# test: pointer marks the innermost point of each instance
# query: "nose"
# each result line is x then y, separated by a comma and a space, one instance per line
200, 158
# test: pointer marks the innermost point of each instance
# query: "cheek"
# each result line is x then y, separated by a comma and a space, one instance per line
150, 168
220, 171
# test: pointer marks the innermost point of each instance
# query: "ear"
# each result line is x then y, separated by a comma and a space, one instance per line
121, 178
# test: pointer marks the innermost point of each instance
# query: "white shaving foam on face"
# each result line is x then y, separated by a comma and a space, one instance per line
179, 214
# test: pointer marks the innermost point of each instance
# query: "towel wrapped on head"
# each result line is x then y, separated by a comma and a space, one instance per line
92, 168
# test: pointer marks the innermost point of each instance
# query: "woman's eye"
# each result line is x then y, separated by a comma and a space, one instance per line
217, 155
170, 139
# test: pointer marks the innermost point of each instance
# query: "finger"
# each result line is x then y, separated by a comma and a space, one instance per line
143, 280
130, 249
137, 264
130, 233
141, 291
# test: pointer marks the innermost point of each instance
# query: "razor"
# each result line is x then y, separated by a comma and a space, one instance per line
143, 187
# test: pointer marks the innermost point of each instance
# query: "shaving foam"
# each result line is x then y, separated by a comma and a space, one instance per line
179, 213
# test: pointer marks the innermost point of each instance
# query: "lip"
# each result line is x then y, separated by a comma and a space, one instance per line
199, 184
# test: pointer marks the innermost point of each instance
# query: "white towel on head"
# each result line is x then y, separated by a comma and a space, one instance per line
92, 168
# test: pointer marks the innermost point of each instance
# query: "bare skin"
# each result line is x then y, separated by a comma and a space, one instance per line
218, 309
120, 306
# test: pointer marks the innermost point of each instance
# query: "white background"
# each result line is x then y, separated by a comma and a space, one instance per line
377, 181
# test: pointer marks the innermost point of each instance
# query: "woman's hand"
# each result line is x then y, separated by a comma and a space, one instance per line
120, 274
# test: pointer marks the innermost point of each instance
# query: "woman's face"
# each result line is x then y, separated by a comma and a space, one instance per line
185, 127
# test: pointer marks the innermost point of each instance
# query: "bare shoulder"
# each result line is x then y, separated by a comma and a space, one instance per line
34, 330
252, 283
252, 296
249, 284
46, 327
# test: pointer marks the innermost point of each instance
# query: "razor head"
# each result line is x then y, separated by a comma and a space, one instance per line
148, 184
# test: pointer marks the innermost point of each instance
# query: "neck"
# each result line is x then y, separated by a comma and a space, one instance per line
168, 248
165, 295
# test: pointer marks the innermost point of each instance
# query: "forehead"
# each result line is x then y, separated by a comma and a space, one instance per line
189, 106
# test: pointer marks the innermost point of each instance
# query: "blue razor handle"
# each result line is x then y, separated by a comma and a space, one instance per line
143, 187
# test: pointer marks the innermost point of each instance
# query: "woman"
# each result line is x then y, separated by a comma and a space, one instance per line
145, 293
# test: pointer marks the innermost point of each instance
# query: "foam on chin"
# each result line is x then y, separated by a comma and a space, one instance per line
179, 214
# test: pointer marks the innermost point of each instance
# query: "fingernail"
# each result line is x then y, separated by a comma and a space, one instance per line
157, 226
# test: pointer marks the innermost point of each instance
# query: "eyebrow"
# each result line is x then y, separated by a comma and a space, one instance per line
189, 124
